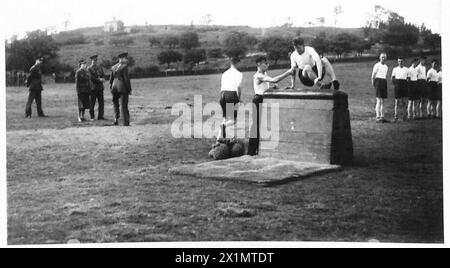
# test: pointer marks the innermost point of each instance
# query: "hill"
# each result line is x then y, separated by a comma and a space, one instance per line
87, 41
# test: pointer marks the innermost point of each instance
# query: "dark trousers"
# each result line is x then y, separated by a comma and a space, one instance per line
253, 144
120, 101
32, 96
97, 95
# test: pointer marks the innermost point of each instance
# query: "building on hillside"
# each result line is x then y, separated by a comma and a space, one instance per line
114, 26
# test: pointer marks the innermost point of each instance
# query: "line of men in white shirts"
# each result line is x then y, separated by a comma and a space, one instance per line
415, 89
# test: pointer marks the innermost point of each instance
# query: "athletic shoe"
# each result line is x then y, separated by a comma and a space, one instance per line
336, 84
79, 120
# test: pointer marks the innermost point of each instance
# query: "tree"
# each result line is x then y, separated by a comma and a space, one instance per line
169, 56
337, 12
194, 56
321, 43
171, 41
342, 43
276, 47
360, 45
189, 40
22, 54
208, 19
401, 34
236, 44
215, 53
154, 41
433, 41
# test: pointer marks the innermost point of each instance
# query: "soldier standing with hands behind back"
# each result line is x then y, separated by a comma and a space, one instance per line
97, 79
120, 86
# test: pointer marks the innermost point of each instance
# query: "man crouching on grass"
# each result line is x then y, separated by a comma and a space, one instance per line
312, 68
261, 83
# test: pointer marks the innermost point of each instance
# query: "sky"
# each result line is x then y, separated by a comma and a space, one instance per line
20, 16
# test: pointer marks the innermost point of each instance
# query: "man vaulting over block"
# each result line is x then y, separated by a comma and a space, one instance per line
312, 70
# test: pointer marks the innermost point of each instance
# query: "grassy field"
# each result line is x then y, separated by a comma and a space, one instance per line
97, 183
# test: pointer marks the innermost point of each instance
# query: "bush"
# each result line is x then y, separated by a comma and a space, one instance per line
99, 43
126, 41
215, 53
152, 69
118, 34
68, 40
138, 70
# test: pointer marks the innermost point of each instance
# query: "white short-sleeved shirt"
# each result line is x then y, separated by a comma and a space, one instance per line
421, 72
258, 86
432, 75
440, 77
400, 73
412, 73
307, 58
231, 80
380, 71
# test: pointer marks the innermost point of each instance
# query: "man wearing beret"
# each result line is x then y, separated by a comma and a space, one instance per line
97, 79
34, 83
120, 88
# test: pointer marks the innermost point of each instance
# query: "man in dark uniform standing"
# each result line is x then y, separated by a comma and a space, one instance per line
34, 83
120, 88
97, 78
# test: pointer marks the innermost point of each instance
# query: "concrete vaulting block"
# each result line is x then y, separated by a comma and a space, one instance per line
313, 127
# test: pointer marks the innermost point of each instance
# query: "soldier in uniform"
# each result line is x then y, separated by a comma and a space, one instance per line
120, 88
34, 83
83, 86
97, 79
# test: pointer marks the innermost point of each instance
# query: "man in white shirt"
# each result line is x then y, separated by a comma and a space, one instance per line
312, 69
379, 82
230, 94
413, 91
439, 106
422, 84
433, 94
261, 83
399, 79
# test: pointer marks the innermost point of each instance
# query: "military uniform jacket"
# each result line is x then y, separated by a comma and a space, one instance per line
34, 79
119, 80
96, 73
82, 81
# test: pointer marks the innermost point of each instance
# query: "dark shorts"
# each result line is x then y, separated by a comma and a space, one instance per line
413, 91
433, 91
422, 88
306, 80
83, 100
380, 88
400, 89
228, 97
440, 91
